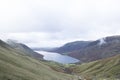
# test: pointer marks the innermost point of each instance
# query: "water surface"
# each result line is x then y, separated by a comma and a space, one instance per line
58, 57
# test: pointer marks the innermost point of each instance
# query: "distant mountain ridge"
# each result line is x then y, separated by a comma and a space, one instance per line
87, 51
16, 65
25, 49
94, 50
72, 46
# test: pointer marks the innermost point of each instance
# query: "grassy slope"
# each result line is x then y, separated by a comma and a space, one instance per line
14, 66
109, 68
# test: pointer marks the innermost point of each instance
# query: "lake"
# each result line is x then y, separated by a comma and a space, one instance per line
64, 59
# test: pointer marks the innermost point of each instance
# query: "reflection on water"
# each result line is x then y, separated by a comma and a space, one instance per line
58, 57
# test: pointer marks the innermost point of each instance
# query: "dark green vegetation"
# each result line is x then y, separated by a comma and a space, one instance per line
106, 68
15, 65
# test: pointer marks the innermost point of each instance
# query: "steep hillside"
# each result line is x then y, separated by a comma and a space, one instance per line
14, 65
99, 49
87, 51
24, 49
106, 68
72, 46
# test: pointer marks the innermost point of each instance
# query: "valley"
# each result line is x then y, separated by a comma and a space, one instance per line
19, 62
16, 65
59, 39
88, 51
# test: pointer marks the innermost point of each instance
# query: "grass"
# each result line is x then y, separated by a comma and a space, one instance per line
106, 68
14, 65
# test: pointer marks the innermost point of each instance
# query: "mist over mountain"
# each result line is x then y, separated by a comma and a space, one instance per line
22, 60
17, 65
25, 49
72, 46
91, 50
60, 39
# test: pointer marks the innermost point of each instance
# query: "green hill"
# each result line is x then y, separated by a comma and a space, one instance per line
24, 49
14, 65
105, 68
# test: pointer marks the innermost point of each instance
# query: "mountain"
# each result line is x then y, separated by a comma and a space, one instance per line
14, 65
48, 49
99, 49
108, 68
87, 51
25, 49
72, 46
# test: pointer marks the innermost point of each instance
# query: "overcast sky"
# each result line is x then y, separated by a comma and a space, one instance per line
50, 23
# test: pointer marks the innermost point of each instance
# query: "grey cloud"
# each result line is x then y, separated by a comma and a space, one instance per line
59, 20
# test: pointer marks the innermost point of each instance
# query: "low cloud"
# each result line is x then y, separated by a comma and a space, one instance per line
54, 22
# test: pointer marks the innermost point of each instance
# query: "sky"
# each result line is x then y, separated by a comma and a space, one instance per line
52, 23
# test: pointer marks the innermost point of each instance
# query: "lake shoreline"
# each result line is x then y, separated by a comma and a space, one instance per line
64, 59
